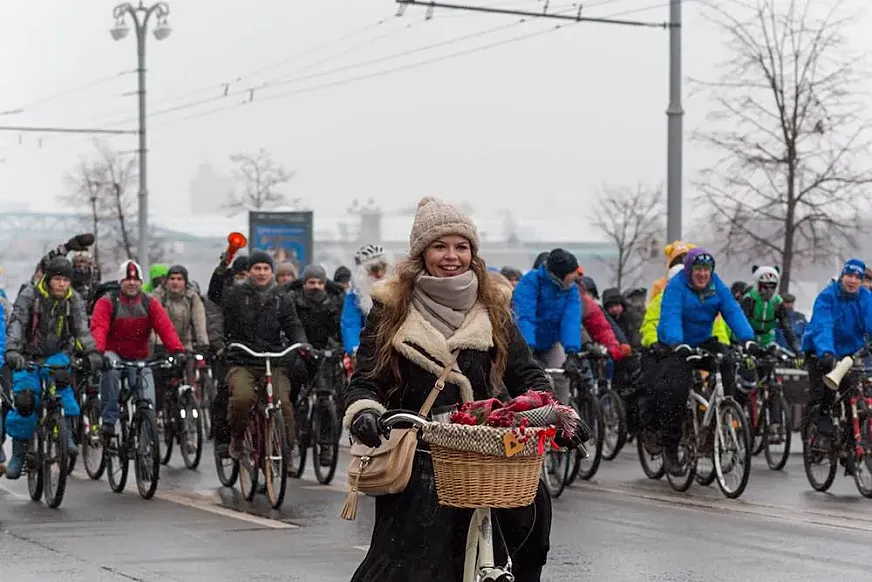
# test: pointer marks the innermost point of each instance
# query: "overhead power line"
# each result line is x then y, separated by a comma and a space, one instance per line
31, 129
65, 93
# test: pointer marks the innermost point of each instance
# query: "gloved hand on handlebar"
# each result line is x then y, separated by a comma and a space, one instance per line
752, 348
15, 361
682, 350
366, 428
826, 362
581, 436
572, 364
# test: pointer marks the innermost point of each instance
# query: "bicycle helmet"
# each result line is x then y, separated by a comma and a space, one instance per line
766, 275
368, 254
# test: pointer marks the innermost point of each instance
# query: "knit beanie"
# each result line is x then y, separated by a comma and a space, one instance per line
130, 269
178, 270
314, 272
855, 267
260, 257
240, 265
59, 267
435, 219
561, 263
286, 268
342, 275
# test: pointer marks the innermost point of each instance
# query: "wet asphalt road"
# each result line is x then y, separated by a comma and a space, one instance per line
620, 526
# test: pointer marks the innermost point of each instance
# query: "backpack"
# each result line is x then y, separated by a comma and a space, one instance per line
112, 289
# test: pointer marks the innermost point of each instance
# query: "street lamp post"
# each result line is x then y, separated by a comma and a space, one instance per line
94, 189
141, 15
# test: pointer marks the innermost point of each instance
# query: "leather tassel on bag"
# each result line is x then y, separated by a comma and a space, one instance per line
349, 508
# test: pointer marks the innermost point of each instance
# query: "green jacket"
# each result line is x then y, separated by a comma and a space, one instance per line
155, 272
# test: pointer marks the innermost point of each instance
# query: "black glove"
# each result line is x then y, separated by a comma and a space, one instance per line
682, 351
15, 361
80, 242
752, 348
201, 349
180, 358
572, 365
826, 362
95, 361
366, 427
581, 436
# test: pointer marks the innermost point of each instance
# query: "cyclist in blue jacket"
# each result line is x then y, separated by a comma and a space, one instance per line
691, 302
371, 264
840, 321
2, 387
548, 309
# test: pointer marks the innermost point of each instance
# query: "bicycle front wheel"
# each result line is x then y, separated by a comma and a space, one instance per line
247, 463
92, 441
191, 433
275, 462
55, 459
147, 455
33, 464
586, 468
117, 458
614, 417
297, 458
732, 454
325, 441
555, 471
777, 446
169, 418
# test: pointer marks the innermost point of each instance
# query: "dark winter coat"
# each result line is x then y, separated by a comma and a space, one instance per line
214, 324
257, 318
320, 320
629, 321
415, 538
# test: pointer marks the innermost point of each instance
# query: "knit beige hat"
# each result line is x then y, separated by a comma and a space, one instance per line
435, 219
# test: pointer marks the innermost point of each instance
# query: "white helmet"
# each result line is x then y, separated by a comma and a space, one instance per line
673, 271
369, 254
766, 275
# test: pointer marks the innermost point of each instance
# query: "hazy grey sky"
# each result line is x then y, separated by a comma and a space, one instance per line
538, 124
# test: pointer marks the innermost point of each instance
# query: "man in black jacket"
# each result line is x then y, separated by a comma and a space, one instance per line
256, 313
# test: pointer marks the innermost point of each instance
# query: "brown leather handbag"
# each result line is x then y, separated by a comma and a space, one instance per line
386, 469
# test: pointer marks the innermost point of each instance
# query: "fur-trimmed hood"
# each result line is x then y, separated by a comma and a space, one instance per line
423, 345
362, 284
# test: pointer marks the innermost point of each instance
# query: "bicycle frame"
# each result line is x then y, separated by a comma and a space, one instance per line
271, 402
695, 399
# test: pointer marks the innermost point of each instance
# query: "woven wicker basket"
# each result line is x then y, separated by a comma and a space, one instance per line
467, 477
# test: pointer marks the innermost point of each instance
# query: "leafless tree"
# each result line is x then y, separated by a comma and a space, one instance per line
260, 177
787, 121
631, 220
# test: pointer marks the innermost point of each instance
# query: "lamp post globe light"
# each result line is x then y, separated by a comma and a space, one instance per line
141, 15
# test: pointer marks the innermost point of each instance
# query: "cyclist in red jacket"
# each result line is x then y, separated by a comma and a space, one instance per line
121, 324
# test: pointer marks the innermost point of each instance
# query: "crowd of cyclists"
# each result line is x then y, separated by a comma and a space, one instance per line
656, 342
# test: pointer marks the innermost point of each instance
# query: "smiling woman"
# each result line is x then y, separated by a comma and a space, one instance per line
440, 314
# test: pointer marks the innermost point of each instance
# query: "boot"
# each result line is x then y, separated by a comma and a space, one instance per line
16, 463
2, 459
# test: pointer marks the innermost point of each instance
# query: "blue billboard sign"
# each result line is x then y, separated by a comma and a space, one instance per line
285, 235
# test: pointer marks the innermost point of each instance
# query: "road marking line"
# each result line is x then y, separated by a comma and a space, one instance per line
223, 511
361, 548
13, 493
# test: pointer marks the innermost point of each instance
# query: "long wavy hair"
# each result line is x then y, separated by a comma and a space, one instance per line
394, 312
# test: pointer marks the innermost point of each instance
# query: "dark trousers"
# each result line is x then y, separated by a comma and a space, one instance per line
220, 428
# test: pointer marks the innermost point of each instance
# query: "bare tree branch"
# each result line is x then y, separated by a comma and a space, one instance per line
632, 220
260, 177
787, 121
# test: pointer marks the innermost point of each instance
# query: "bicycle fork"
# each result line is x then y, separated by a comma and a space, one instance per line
479, 563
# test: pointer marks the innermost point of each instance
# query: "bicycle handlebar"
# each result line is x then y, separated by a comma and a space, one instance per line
274, 355
392, 417
33, 364
141, 364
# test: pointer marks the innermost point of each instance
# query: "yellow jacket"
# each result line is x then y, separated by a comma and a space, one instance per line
648, 329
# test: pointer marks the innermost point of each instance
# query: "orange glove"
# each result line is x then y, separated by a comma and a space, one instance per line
626, 350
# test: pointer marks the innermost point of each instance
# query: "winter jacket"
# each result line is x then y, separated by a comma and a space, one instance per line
403, 539
352, 320
3, 309
766, 317
320, 320
155, 272
687, 316
257, 318
648, 329
6, 306
188, 315
42, 326
839, 322
214, 324
628, 321
599, 328
547, 313
129, 333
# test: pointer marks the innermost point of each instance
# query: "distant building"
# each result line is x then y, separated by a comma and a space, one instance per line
209, 190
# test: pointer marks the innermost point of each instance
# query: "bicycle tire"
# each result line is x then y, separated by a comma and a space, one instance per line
756, 422
92, 441
563, 462
297, 462
33, 459
687, 445
55, 431
594, 445
120, 457
649, 461
326, 410
809, 432
775, 460
862, 465
192, 421
207, 397
247, 468
275, 438
618, 411
705, 477
146, 462
170, 415
734, 414
227, 469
